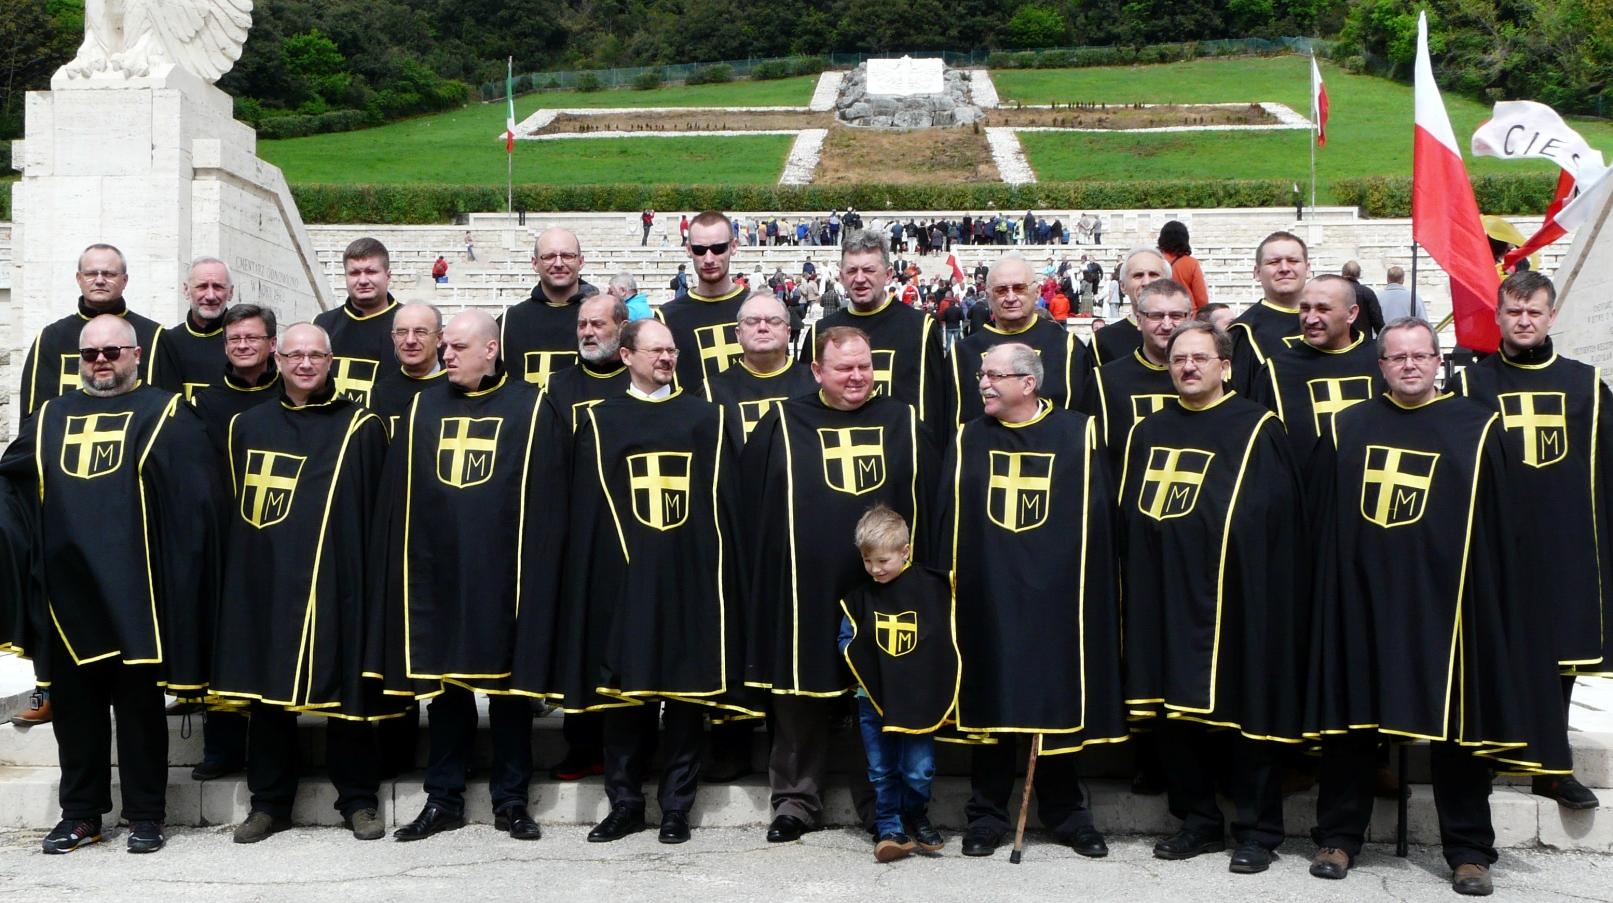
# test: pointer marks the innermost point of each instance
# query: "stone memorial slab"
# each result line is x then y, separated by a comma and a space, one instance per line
1584, 280
905, 77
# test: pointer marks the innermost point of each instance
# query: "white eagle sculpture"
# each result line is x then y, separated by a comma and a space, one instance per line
134, 37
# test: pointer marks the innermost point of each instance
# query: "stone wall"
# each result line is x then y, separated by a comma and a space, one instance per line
856, 107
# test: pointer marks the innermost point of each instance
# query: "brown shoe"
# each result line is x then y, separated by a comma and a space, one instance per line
38, 713
892, 847
1472, 879
1330, 862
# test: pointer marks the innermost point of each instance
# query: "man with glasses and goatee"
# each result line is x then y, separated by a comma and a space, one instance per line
703, 319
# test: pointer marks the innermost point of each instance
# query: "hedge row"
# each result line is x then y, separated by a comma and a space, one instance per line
1152, 54
1507, 195
297, 125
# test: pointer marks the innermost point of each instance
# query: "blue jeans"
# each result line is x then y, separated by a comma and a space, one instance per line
900, 766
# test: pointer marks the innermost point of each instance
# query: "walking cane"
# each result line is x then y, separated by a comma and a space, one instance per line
1025, 800
1404, 796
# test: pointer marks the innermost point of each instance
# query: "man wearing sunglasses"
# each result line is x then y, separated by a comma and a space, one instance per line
191, 351
703, 318
52, 365
539, 335
126, 493
361, 329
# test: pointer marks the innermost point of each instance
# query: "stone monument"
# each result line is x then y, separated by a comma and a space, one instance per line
906, 94
134, 146
1584, 280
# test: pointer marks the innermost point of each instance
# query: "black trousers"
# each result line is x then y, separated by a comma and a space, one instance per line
1461, 797
991, 780
630, 742
584, 733
224, 738
398, 739
1199, 758
82, 696
351, 759
452, 729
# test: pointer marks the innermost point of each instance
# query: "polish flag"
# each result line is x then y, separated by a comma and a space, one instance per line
1444, 215
957, 271
1318, 103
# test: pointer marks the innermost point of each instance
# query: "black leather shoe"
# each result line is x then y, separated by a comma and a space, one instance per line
924, 834
785, 828
980, 841
431, 820
621, 822
212, 771
1250, 858
146, 836
518, 822
1566, 790
674, 827
1186, 844
1088, 842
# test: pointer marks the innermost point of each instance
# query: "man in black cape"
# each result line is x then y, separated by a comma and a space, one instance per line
1025, 521
703, 318
298, 617
1282, 266
247, 378
1215, 601
539, 334
190, 350
417, 343
1125, 390
765, 375
361, 329
813, 466
1420, 633
125, 495
474, 525
1553, 420
1116, 341
599, 373
648, 584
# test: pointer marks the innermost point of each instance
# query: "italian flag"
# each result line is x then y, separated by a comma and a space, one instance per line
509, 116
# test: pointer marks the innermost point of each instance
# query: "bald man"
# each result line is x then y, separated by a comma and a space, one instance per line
765, 374
538, 334
417, 341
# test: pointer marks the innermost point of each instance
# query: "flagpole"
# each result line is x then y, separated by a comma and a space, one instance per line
509, 158
1316, 125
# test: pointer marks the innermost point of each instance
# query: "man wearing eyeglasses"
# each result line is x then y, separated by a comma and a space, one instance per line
52, 365
192, 349
361, 329
125, 493
477, 483
1554, 419
1124, 391
1011, 288
1420, 633
1282, 266
1332, 367
298, 581
1025, 517
703, 318
908, 361
539, 335
416, 340
1216, 599
1119, 339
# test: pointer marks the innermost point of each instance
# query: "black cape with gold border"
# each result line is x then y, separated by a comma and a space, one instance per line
1306, 386
902, 652
1066, 363
908, 362
362, 345
746, 395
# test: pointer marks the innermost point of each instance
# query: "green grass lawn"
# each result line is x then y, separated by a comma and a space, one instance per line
462, 147
1369, 129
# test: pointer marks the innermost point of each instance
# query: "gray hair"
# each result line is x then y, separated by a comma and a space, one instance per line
1012, 256
862, 241
1406, 323
229, 278
1024, 359
320, 329
625, 281
1125, 265
123, 262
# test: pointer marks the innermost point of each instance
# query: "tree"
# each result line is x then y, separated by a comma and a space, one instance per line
37, 37
1032, 27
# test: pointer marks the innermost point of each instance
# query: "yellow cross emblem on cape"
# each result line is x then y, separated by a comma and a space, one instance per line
853, 458
540, 365
1395, 485
1143, 405
268, 486
93, 445
467, 450
719, 348
752, 412
659, 482
1332, 395
354, 377
884, 364
69, 381
1171, 482
897, 634
1541, 418
1019, 489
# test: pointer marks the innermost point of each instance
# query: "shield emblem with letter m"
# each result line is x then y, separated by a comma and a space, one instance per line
268, 486
93, 444
354, 377
1172, 480
659, 482
896, 634
1332, 395
884, 364
853, 458
1395, 485
1541, 419
467, 450
1018, 490
540, 365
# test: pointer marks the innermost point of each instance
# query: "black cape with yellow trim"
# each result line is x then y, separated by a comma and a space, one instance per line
51, 368
908, 362
395, 392
902, 652
1421, 630
1120, 394
1027, 520
1065, 361
298, 620
746, 395
128, 499
704, 330
1258, 333
475, 525
810, 472
19, 586
648, 584
1554, 420
538, 337
1306, 386
1116, 341
362, 345
1217, 591
218, 404
190, 358
576, 389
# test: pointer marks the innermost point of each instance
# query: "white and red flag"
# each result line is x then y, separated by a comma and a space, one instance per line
1318, 103
957, 271
1524, 129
